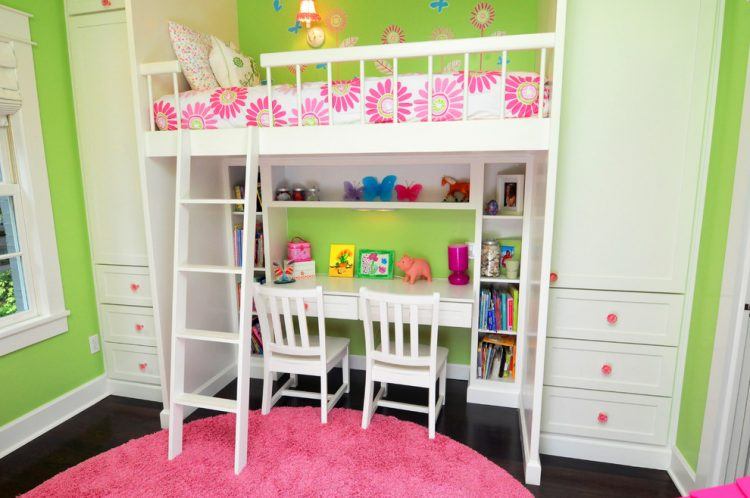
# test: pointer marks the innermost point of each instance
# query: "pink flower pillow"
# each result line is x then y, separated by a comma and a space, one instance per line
192, 50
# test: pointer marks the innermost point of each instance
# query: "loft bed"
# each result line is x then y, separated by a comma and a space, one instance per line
478, 144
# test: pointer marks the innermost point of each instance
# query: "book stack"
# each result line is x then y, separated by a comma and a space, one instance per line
498, 309
237, 240
259, 257
256, 340
496, 358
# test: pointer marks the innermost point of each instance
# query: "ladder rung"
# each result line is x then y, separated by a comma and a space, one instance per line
209, 335
213, 201
208, 402
230, 270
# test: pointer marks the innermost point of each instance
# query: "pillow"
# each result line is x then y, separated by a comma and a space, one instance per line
232, 68
192, 50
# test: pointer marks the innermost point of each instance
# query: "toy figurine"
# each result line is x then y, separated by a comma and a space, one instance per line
491, 208
283, 274
458, 191
415, 268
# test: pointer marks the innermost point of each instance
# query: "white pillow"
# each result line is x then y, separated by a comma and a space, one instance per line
192, 50
230, 67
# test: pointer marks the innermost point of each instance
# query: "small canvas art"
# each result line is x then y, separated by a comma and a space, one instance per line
510, 194
341, 260
510, 249
375, 263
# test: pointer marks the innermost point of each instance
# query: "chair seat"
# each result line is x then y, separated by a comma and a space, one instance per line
335, 349
383, 371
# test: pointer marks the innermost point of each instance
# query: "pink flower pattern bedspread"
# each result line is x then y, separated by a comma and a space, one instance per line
237, 107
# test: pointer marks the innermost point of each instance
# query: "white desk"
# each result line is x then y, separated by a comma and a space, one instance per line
341, 297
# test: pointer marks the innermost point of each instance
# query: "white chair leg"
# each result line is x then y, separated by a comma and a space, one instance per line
265, 406
324, 397
431, 411
294, 380
443, 377
367, 405
385, 389
345, 369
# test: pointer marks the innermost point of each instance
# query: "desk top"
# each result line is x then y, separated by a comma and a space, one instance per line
339, 286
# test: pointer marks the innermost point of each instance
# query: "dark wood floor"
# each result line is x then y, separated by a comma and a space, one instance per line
492, 431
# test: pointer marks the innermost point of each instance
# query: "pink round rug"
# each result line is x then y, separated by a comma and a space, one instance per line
291, 454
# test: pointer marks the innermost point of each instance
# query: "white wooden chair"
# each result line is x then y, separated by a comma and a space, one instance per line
287, 350
396, 360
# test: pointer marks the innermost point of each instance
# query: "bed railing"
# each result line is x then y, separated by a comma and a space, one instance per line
540, 42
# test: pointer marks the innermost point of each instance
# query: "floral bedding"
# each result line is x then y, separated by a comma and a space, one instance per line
237, 107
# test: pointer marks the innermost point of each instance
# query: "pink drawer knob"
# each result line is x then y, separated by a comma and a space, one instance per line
602, 418
142, 366
106, 3
306, 306
553, 277
612, 319
606, 369
134, 287
138, 327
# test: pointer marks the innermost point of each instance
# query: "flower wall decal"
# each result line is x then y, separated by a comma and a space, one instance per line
392, 34
482, 15
336, 20
442, 33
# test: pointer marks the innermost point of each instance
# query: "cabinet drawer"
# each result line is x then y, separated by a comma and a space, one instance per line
615, 316
133, 363
343, 307
624, 417
123, 285
128, 324
451, 314
88, 6
607, 366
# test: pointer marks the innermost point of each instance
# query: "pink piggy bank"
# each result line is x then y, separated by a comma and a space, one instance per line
414, 268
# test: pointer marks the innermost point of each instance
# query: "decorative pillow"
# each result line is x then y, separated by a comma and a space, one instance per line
232, 68
192, 50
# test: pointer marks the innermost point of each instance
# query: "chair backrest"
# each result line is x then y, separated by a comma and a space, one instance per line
399, 308
276, 306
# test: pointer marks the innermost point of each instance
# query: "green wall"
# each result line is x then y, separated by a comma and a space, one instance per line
732, 72
39, 373
421, 233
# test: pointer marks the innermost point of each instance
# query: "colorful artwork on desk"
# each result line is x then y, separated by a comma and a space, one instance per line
341, 260
373, 263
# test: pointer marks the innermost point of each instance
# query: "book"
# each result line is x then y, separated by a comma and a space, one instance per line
239, 193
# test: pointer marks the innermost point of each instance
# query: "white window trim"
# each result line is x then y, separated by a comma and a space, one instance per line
50, 317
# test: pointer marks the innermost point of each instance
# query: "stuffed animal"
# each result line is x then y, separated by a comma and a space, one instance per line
414, 268
458, 191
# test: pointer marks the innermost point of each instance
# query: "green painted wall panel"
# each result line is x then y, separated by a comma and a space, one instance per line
732, 71
39, 373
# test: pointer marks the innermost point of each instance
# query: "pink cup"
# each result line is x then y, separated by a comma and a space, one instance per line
458, 263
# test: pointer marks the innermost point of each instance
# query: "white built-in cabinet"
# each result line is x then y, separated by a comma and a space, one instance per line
100, 70
633, 150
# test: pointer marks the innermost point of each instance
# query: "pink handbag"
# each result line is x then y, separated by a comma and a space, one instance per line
298, 250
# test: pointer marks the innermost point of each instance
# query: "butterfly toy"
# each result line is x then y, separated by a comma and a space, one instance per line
283, 274
408, 192
373, 189
352, 192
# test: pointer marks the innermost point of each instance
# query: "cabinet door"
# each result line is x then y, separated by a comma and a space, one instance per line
106, 130
636, 89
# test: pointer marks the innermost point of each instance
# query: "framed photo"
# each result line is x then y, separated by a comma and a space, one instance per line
375, 263
510, 194
341, 261
510, 249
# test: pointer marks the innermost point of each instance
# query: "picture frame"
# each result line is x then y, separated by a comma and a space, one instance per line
510, 189
341, 261
375, 263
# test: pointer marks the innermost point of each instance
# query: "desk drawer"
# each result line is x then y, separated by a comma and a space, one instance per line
128, 324
451, 314
638, 318
133, 363
623, 417
607, 366
342, 307
123, 285
88, 6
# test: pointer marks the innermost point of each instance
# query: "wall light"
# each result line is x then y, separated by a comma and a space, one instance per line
307, 15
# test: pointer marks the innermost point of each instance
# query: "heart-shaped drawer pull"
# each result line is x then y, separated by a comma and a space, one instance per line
134, 287
142, 366
602, 418
138, 327
606, 369
612, 318
106, 3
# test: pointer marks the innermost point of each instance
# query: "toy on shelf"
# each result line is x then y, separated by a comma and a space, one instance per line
298, 250
414, 268
458, 190
283, 274
458, 263
409, 192
491, 208
283, 194
352, 192
373, 263
374, 189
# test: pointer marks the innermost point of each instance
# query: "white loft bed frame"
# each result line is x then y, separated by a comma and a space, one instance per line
514, 137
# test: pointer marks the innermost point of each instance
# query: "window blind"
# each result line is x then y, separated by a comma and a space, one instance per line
10, 96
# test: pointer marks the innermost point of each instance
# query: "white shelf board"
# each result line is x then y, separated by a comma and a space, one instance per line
493, 280
236, 270
350, 287
374, 206
502, 217
240, 213
212, 201
207, 402
497, 332
209, 336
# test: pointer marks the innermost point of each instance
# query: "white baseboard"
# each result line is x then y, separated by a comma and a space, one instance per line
484, 395
683, 476
135, 390
602, 450
456, 371
20, 431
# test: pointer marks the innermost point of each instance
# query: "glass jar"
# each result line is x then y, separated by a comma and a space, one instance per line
490, 266
312, 194
298, 194
283, 194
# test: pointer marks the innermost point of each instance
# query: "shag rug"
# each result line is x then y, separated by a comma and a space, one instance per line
290, 454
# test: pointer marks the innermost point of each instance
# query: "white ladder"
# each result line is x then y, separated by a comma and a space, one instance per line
180, 333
